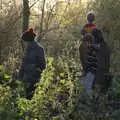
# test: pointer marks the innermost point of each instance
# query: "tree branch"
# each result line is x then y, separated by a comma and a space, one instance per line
5, 31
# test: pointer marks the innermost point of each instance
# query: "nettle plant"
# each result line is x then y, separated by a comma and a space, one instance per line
10, 90
60, 96
53, 96
7, 110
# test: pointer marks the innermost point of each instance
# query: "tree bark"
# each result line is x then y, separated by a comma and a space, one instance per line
26, 14
42, 20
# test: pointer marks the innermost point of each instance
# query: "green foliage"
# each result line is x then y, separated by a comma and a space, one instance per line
53, 93
8, 108
59, 96
4, 77
10, 91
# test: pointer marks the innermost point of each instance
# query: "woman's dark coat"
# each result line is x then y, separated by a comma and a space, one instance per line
103, 58
33, 63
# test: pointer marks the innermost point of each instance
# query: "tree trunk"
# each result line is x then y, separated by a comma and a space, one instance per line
42, 20
26, 14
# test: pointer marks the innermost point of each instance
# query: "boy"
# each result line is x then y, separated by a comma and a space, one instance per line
90, 26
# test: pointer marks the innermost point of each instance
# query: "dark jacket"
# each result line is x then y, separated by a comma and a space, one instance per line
103, 59
91, 64
33, 63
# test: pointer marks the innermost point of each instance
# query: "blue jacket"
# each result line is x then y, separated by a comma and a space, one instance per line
33, 63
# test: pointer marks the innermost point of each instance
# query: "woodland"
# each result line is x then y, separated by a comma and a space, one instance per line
59, 95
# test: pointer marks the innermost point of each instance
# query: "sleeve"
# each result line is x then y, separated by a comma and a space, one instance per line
21, 70
82, 57
41, 61
104, 60
107, 60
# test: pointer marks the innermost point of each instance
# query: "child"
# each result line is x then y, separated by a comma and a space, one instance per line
90, 26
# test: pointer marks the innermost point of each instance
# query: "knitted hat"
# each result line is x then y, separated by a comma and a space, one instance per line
28, 35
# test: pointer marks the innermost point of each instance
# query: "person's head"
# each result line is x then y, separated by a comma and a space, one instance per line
28, 35
90, 17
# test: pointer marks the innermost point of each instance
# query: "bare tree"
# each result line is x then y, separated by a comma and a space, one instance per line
26, 14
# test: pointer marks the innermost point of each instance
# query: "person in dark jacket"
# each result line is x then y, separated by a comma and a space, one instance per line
91, 63
103, 59
33, 62
90, 25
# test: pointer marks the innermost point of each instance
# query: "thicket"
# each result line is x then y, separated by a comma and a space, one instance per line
60, 94
65, 97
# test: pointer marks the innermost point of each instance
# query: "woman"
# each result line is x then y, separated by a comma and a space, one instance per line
33, 62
